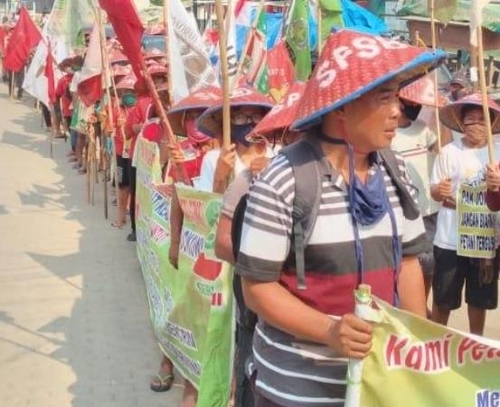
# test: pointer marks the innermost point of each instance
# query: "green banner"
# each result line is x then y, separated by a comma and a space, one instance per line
191, 308
476, 223
417, 363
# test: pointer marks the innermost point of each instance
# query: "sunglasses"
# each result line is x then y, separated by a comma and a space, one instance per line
242, 118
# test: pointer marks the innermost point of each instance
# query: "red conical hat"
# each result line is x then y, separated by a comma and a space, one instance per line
352, 64
422, 92
117, 56
157, 69
128, 82
283, 114
203, 98
121, 70
451, 115
210, 122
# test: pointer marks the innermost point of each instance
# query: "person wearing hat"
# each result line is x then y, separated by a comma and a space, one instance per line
127, 100
462, 162
247, 108
416, 142
188, 152
459, 86
367, 228
138, 116
274, 130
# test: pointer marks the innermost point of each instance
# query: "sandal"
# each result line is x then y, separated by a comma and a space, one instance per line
162, 383
118, 225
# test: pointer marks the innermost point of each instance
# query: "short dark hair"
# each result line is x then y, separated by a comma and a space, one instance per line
469, 108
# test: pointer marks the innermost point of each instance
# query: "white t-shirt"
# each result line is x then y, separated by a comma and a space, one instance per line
461, 164
413, 144
205, 181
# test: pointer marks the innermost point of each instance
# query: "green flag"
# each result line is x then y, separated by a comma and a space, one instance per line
297, 37
331, 16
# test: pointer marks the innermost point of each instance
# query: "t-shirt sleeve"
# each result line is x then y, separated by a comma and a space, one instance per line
267, 226
236, 190
414, 239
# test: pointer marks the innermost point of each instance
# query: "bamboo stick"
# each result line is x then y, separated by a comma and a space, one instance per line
226, 110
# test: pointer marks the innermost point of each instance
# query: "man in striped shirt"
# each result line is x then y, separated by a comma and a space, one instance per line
304, 336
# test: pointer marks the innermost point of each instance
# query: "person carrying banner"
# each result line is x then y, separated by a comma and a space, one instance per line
192, 146
416, 143
273, 130
366, 229
461, 164
248, 107
133, 126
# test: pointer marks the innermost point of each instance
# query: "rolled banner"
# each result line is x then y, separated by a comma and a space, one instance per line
363, 300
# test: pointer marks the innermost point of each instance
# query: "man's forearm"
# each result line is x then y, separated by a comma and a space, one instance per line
281, 309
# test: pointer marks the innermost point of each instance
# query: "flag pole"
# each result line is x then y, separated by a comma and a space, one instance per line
320, 28
226, 111
105, 77
484, 93
166, 14
436, 90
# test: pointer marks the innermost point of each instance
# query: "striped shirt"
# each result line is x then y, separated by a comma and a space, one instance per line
292, 372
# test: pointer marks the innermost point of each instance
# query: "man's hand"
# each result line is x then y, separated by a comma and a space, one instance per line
258, 164
493, 177
351, 336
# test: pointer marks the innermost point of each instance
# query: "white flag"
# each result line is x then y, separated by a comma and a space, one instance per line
189, 63
476, 19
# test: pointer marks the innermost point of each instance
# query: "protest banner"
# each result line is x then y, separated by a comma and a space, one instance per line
476, 223
208, 295
191, 308
415, 362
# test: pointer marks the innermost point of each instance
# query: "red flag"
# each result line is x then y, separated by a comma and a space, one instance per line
124, 18
49, 73
25, 37
281, 72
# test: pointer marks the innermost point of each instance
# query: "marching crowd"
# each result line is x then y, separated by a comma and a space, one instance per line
351, 178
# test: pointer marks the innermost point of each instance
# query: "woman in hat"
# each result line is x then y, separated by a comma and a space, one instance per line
462, 162
127, 100
247, 109
274, 130
189, 153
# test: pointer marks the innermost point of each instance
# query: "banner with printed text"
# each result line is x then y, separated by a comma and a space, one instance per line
417, 363
476, 223
191, 308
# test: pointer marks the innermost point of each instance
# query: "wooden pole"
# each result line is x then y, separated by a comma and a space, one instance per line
436, 90
484, 94
181, 174
320, 28
226, 109
105, 68
166, 15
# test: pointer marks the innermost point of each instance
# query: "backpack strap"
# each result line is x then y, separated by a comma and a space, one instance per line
304, 159
410, 208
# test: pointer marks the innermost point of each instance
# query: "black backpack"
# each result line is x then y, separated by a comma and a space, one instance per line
304, 158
